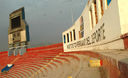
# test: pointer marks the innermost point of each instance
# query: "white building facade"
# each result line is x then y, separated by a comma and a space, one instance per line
103, 24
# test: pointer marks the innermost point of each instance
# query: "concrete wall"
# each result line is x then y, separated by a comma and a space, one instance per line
114, 65
123, 13
106, 32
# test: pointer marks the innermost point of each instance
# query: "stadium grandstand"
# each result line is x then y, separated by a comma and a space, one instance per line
52, 62
44, 62
96, 46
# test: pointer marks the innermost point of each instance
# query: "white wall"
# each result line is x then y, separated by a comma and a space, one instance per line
123, 13
109, 25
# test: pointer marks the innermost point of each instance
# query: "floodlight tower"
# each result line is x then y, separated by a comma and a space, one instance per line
18, 33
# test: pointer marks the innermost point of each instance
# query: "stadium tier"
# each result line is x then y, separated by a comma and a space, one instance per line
52, 62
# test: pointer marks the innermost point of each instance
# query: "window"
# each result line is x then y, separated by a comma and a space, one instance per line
81, 34
108, 2
81, 20
74, 34
96, 11
91, 17
67, 37
15, 22
64, 39
102, 10
71, 35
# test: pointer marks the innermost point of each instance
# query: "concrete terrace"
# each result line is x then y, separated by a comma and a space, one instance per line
52, 62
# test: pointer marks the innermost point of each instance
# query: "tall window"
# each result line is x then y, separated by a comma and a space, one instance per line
67, 37
81, 32
71, 35
96, 11
108, 2
81, 20
64, 39
74, 34
102, 10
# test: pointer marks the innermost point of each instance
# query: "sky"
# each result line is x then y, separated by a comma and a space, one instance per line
47, 19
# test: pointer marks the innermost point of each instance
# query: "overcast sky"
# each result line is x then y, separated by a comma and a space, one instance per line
47, 19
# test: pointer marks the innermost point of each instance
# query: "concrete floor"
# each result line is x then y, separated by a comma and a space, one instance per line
75, 69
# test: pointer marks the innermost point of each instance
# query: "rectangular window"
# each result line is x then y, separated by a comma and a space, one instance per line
82, 34
74, 34
71, 36
102, 10
67, 37
81, 20
96, 11
108, 2
15, 22
79, 35
64, 39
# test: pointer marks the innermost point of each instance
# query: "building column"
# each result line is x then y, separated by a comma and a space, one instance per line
104, 5
93, 14
22, 50
98, 4
10, 51
16, 51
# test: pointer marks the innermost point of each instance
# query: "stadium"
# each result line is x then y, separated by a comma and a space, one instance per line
95, 46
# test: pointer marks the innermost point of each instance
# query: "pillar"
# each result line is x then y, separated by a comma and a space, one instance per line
93, 14
104, 4
98, 4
